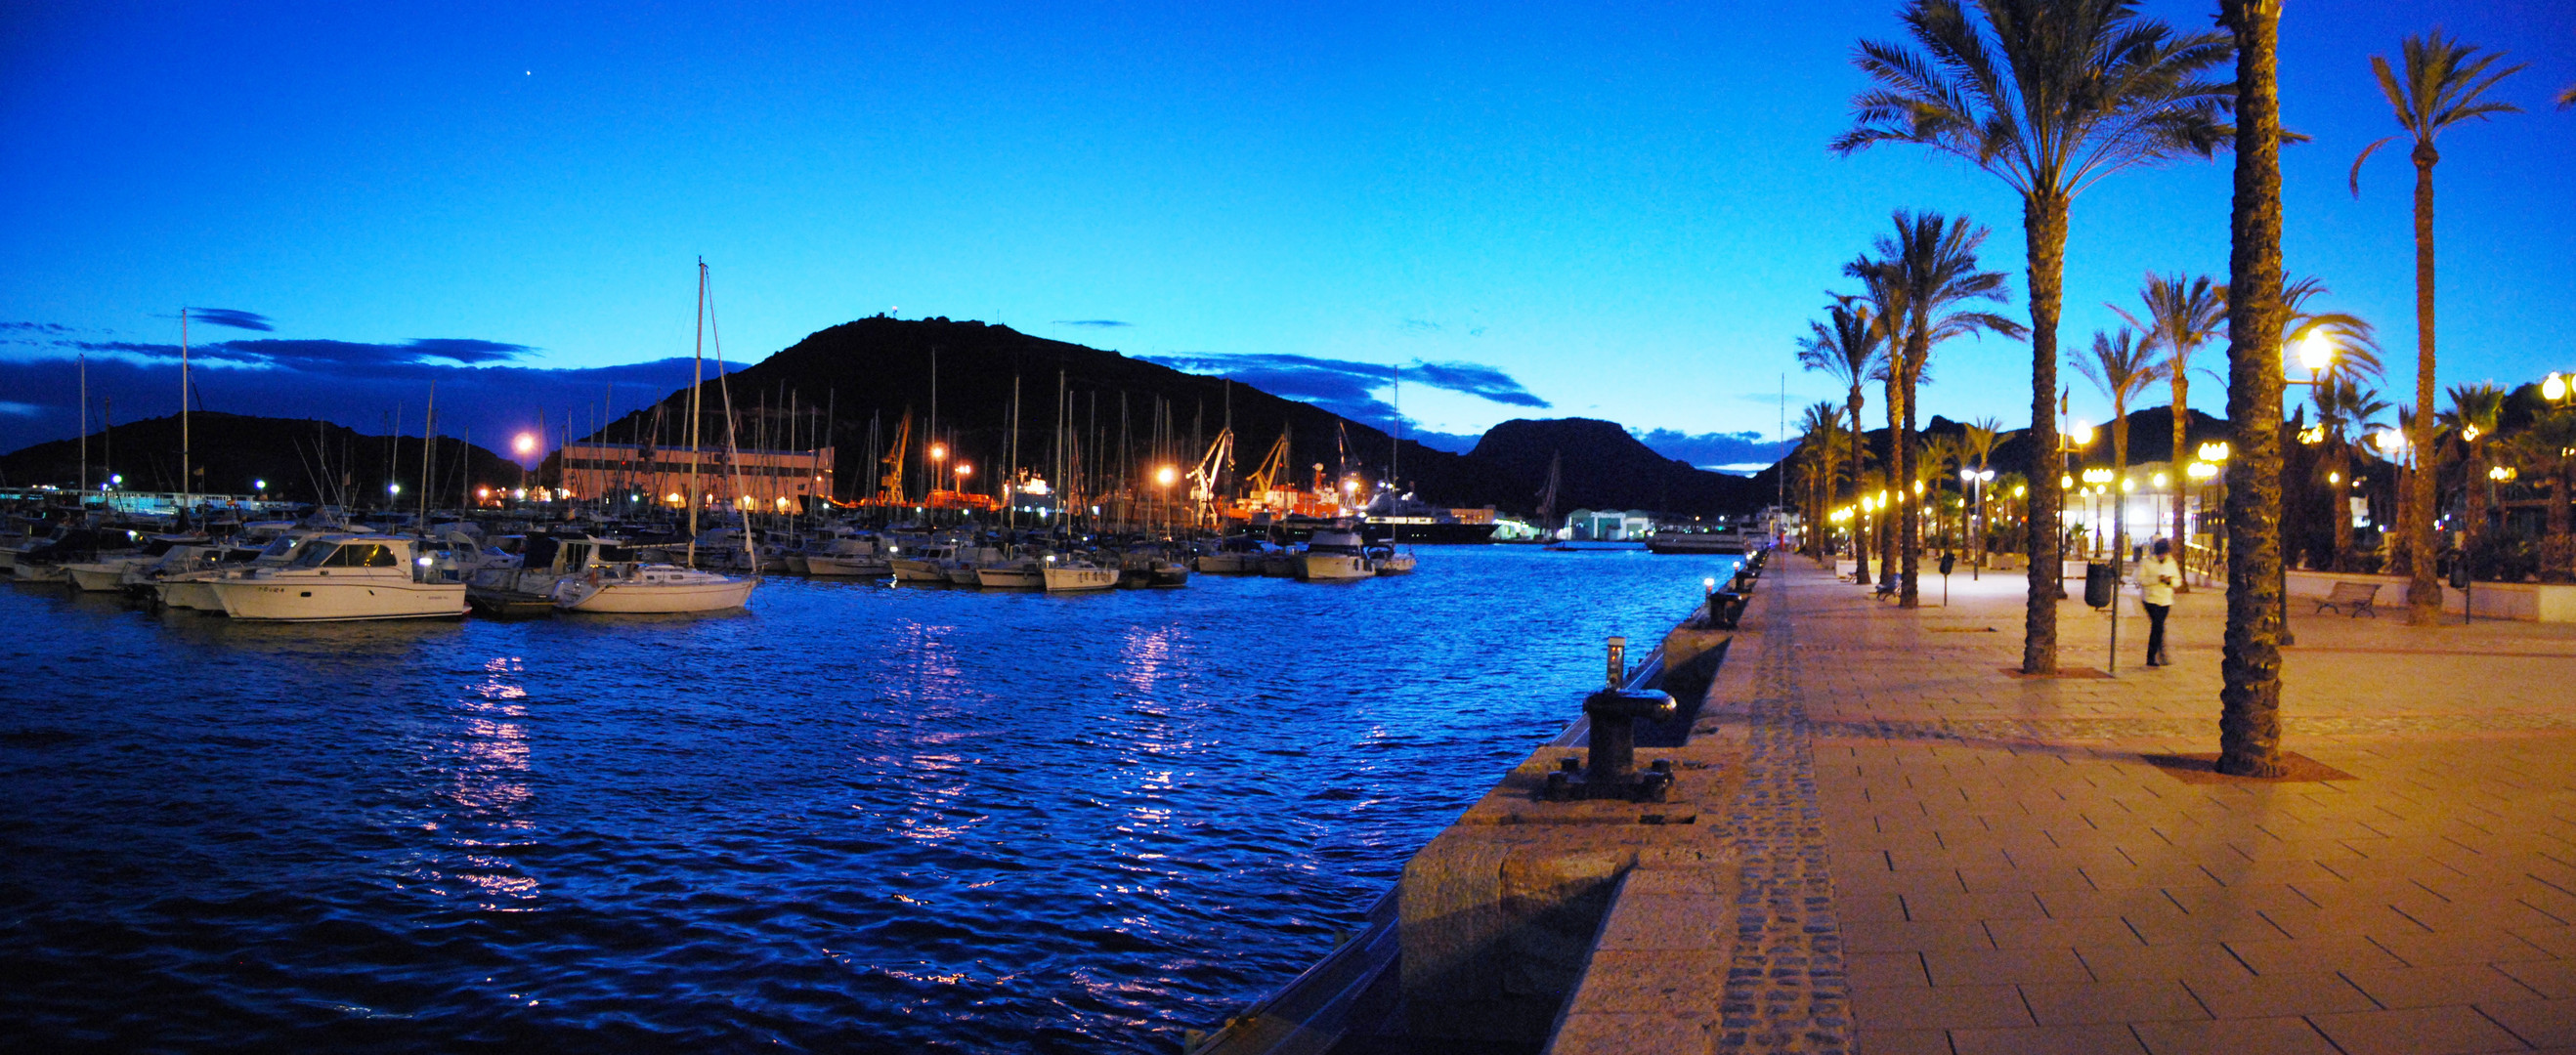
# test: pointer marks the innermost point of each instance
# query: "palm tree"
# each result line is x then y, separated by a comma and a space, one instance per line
1820, 444
2051, 96
1922, 280
2249, 697
2182, 314
2443, 83
2345, 413
1850, 348
2541, 451
2122, 366
1943, 454
2476, 412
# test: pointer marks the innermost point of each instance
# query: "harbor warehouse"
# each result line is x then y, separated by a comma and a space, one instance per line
769, 479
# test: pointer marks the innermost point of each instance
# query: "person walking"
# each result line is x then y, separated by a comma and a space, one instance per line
2156, 580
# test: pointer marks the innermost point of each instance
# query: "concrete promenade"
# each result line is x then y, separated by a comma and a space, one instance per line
2010, 874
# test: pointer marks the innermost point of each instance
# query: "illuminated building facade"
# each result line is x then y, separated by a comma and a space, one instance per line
771, 480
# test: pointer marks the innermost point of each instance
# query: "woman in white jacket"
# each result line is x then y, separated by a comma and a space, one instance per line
2157, 577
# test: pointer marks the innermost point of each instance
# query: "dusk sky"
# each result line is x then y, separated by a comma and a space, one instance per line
1630, 210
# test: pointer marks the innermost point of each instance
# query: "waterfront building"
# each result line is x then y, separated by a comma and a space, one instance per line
770, 479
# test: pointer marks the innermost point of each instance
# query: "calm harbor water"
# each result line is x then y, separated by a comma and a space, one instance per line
855, 818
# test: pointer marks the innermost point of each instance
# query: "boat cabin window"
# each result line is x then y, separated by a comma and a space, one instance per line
347, 555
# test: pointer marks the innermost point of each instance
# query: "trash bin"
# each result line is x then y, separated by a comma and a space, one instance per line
2100, 585
1948, 562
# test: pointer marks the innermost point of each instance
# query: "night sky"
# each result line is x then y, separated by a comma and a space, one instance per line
1626, 211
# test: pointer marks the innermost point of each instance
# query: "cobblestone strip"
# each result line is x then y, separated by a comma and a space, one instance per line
2058, 730
1786, 990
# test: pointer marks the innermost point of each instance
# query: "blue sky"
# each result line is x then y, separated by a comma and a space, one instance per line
1629, 210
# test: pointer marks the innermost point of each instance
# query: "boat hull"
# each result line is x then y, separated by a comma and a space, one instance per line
1073, 580
1333, 567
647, 598
199, 595
847, 567
97, 578
316, 601
1011, 578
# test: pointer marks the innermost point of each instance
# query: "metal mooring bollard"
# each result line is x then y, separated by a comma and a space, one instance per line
1613, 773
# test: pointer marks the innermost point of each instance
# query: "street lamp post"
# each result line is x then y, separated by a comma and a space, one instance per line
1976, 479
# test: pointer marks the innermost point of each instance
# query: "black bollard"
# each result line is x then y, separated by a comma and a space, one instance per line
1613, 771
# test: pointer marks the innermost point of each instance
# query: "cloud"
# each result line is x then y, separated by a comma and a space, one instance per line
36, 327
233, 317
1347, 387
1102, 323
306, 353
1737, 452
1424, 325
1476, 380
351, 383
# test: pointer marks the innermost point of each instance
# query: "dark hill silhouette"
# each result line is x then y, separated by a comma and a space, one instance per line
869, 372
235, 450
1606, 468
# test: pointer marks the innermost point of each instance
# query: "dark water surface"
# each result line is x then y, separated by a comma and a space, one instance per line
856, 818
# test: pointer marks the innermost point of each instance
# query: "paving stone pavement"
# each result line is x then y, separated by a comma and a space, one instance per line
1786, 989
2008, 875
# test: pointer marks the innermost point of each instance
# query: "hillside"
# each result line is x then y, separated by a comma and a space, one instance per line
870, 372
299, 459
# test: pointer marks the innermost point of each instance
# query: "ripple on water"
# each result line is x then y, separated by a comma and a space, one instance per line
853, 818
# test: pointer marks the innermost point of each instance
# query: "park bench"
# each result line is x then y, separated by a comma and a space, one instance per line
2352, 599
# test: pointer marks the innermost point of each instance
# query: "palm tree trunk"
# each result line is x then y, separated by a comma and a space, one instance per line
1917, 347
2473, 476
2424, 590
1890, 520
2341, 515
2043, 221
2181, 512
2557, 549
1860, 550
2249, 723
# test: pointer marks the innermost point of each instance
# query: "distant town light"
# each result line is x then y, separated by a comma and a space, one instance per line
259, 485
393, 489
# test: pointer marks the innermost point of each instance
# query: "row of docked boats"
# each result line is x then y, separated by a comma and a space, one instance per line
330, 570
283, 571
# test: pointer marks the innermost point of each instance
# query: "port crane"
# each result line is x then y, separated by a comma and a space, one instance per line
890, 485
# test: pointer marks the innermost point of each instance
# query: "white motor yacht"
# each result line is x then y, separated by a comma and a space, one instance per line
193, 588
1064, 574
342, 577
920, 561
1333, 555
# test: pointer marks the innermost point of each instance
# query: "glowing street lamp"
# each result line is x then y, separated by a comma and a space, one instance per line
526, 444
2555, 388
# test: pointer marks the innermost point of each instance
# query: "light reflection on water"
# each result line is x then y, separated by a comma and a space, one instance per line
853, 818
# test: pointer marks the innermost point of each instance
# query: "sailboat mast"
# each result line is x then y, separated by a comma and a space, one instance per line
1396, 452
184, 478
697, 378
428, 443
84, 428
